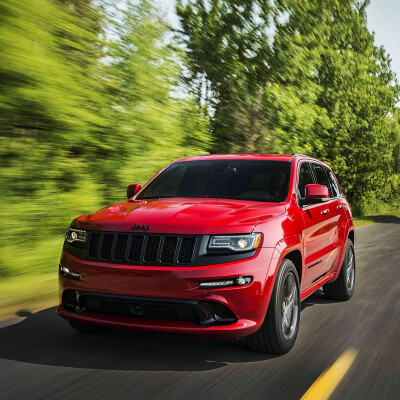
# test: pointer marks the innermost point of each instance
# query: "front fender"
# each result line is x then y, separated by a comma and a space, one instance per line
281, 250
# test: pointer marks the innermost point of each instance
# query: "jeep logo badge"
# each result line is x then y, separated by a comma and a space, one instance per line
137, 227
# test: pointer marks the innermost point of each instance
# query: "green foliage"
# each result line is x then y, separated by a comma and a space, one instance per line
358, 91
297, 76
228, 50
86, 108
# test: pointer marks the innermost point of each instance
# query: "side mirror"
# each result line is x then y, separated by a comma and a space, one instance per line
133, 189
315, 194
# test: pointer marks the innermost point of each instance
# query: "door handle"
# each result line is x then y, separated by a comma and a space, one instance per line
340, 206
325, 211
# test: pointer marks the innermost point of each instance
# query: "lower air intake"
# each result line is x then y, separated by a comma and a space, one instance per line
199, 312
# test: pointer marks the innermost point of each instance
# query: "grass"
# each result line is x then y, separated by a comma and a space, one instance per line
386, 216
27, 293
35, 257
32, 282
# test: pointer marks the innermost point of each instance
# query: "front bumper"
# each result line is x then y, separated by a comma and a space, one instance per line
248, 303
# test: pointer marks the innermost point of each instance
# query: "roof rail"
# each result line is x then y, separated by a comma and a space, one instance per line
298, 154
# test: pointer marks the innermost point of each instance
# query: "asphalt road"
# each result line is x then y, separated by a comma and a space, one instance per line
41, 357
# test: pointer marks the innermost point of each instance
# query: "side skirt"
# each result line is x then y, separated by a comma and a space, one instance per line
315, 286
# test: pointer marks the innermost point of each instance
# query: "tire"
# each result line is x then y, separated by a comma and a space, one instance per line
87, 329
278, 332
343, 288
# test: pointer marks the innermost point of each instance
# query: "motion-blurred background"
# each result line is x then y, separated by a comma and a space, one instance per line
98, 94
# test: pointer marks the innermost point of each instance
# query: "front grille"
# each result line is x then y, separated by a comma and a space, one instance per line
151, 252
94, 244
133, 248
106, 248
169, 249
186, 250
120, 247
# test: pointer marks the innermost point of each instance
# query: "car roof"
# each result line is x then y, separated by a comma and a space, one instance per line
270, 157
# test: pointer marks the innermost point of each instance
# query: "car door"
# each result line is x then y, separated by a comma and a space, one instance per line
319, 226
338, 206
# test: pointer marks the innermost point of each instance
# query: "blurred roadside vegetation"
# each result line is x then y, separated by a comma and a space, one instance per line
96, 94
387, 214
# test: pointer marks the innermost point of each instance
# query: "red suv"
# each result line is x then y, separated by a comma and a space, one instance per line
217, 245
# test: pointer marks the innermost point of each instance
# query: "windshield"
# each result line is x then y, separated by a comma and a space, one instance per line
254, 180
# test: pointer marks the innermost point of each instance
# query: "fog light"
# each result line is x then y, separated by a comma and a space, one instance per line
69, 274
240, 281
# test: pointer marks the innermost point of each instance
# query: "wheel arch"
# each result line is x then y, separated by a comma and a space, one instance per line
291, 248
351, 235
295, 257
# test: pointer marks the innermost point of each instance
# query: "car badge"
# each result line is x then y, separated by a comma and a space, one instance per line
137, 227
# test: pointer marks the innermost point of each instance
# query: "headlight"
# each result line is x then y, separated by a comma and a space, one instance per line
235, 242
75, 236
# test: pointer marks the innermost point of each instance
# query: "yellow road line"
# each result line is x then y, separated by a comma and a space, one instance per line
324, 386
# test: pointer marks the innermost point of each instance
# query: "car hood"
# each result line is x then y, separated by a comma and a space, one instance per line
181, 216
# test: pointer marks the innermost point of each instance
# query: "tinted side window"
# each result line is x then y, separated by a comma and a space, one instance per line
334, 185
169, 186
321, 177
305, 178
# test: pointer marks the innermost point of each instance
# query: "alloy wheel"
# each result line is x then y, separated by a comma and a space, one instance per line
290, 306
350, 271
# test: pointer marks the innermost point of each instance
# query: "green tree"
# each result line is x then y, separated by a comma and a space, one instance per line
49, 123
294, 75
227, 51
143, 77
87, 105
355, 88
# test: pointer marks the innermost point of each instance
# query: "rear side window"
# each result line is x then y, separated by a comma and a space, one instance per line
305, 178
334, 185
322, 178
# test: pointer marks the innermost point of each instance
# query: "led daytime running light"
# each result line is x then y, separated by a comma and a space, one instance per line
240, 281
